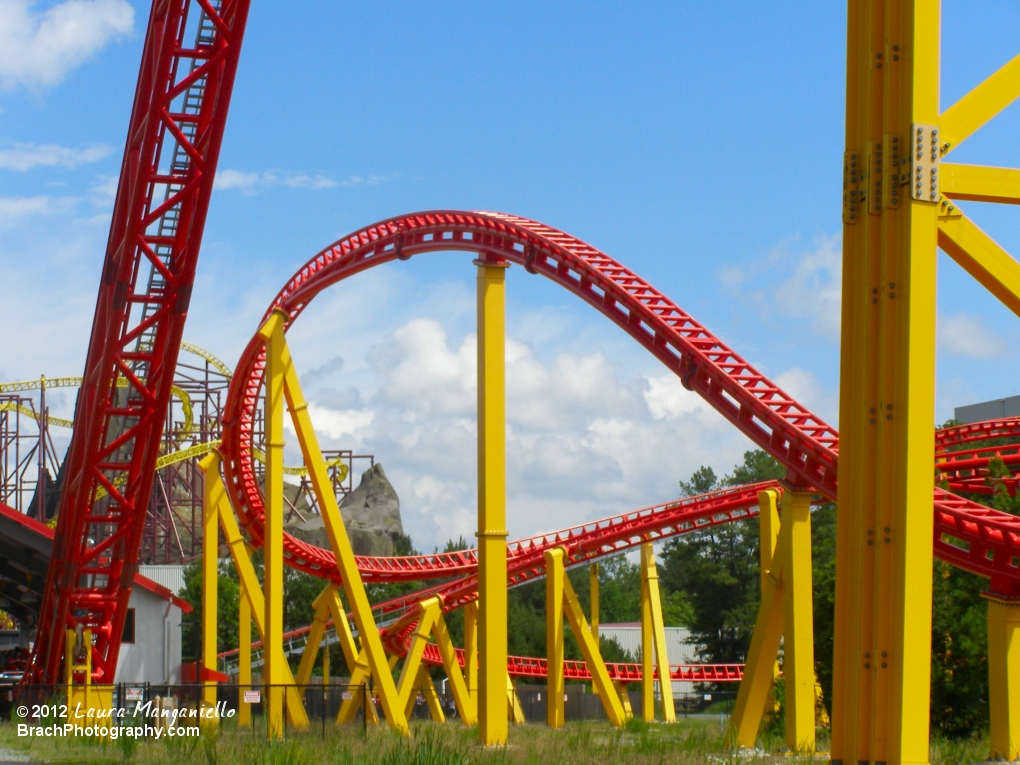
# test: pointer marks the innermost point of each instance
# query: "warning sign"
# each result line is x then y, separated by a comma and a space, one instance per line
252, 697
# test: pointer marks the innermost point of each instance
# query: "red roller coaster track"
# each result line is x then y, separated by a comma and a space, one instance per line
174, 136
166, 179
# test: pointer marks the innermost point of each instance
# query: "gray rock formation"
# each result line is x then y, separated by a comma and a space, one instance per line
371, 516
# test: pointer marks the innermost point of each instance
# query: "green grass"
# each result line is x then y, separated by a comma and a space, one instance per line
637, 743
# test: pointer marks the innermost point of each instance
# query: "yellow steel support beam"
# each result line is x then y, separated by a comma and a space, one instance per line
590, 650
621, 690
428, 611
652, 624
317, 629
981, 184
761, 657
428, 690
516, 711
277, 360
883, 547
466, 706
768, 537
554, 639
798, 626
325, 665
210, 599
471, 648
980, 256
1004, 678
492, 533
963, 118
210, 466
243, 658
335, 531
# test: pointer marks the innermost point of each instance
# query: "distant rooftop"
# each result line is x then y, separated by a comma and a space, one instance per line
988, 410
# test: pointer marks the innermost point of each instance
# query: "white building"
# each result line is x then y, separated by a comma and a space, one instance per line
678, 646
150, 651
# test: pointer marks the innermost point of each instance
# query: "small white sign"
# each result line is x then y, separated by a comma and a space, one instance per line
565, 697
708, 697
252, 697
133, 694
538, 696
347, 696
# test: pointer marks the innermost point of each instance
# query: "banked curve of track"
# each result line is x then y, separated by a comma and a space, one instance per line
967, 534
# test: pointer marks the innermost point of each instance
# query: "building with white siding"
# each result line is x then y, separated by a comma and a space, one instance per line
678, 646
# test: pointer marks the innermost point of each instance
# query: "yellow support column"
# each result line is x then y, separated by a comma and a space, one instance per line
339, 541
277, 359
798, 608
471, 648
210, 582
217, 496
243, 658
882, 661
651, 610
554, 639
768, 536
492, 601
647, 650
1004, 677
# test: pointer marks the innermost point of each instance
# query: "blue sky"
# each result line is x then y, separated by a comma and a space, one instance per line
699, 143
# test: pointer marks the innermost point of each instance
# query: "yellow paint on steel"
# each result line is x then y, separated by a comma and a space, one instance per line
554, 687
768, 536
1004, 678
980, 184
10, 406
761, 657
210, 581
277, 361
335, 531
653, 626
980, 256
492, 598
471, 648
798, 622
516, 713
621, 690
590, 651
296, 715
883, 549
320, 617
243, 658
466, 706
218, 365
432, 699
428, 610
593, 588
963, 118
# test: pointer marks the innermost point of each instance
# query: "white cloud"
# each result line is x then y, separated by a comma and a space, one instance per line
805, 285
964, 335
14, 210
258, 181
585, 438
25, 156
39, 48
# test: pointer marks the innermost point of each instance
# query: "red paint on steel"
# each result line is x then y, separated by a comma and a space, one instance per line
968, 535
166, 179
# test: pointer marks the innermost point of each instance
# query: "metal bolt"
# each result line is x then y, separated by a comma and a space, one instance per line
889, 416
884, 665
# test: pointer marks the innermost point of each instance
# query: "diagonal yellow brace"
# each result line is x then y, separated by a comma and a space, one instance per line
340, 543
471, 648
210, 466
980, 184
428, 611
768, 536
761, 658
315, 633
652, 612
590, 650
516, 714
428, 690
353, 655
962, 119
467, 707
981, 257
